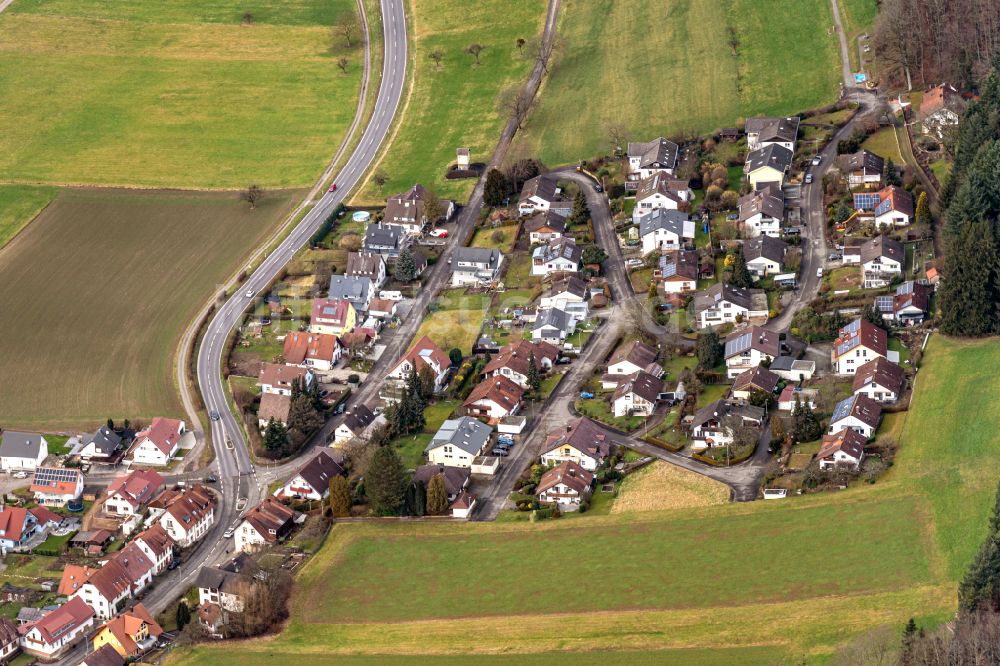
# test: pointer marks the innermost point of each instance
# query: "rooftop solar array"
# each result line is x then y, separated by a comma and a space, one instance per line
52, 476
866, 200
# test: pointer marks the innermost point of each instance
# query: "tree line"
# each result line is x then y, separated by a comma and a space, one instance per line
970, 286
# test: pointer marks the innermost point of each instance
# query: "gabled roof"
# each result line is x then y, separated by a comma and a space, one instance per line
335, 310
865, 161
773, 129
111, 581
674, 221
424, 353
358, 417
720, 409
569, 285
756, 378
912, 294
187, 507
271, 519
406, 208
279, 374
274, 406
680, 264
893, 198
768, 201
133, 561
642, 384
860, 333
43, 515
541, 187
569, 474
455, 478
8, 633
156, 539
382, 235
765, 246
20, 444
137, 487
636, 352
545, 219
559, 248
517, 356
163, 433
364, 263
488, 256
300, 346
939, 97
354, 288
582, 434
658, 151
880, 371
105, 440
13, 520
63, 620
319, 470
723, 291
106, 655
661, 183
555, 318
772, 155
501, 390
847, 441
130, 625
860, 407
56, 481
465, 433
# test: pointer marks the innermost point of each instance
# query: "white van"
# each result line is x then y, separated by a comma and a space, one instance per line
819, 272
391, 295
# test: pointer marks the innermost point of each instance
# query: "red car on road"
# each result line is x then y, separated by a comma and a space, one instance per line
333, 188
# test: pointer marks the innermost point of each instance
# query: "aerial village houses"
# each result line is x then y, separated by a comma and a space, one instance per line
664, 229
129, 494
266, 524
475, 265
130, 634
58, 630
859, 342
857, 413
553, 326
637, 395
332, 316
545, 226
22, 450
627, 360
158, 546
582, 442
647, 158
805, 397
105, 589
456, 479
710, 425
566, 485
100, 445
279, 379
755, 380
677, 272
317, 351
105, 655
661, 191
273, 406
312, 481
909, 305
768, 165
793, 369
723, 303
514, 359
895, 207
940, 110
56, 486
10, 641
863, 168
423, 355
762, 132
187, 515
17, 526
564, 293
383, 239
222, 586
494, 398
356, 290
843, 450
458, 441
158, 444
367, 264
357, 424
542, 193
764, 255
406, 210
762, 211
881, 261
879, 379
560, 255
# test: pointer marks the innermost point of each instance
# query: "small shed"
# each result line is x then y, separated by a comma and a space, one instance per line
462, 158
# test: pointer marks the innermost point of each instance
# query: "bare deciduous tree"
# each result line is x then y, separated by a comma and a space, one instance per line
380, 179
545, 50
516, 103
252, 194
520, 45
342, 64
247, 18
347, 28
474, 49
437, 55
617, 136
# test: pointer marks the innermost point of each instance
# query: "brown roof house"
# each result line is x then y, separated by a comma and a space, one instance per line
514, 359
266, 524
315, 351
755, 380
406, 210
859, 342
187, 515
424, 356
627, 360
845, 450
879, 379
566, 485
941, 109
582, 441
278, 378
637, 395
312, 482
494, 398
857, 413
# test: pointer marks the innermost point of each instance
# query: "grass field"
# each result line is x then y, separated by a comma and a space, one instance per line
457, 321
103, 284
173, 94
454, 105
787, 62
732, 577
19, 204
664, 486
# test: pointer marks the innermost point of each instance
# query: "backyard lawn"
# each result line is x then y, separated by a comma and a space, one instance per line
660, 486
688, 53
883, 143
501, 238
455, 320
173, 94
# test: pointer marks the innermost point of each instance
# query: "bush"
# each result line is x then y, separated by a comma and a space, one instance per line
353, 378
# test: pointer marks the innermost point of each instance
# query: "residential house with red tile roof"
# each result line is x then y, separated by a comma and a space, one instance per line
130, 634
157, 545
879, 379
10, 641
268, 523
186, 515
637, 395
55, 486
333, 316
317, 351
859, 342
895, 207
846, 449
941, 109
157, 444
128, 494
494, 398
629, 359
105, 589
513, 360
755, 380
58, 630
105, 656
857, 413
425, 355
278, 379
17, 525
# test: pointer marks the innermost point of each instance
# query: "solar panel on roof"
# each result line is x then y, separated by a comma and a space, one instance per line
51, 476
883, 303
866, 200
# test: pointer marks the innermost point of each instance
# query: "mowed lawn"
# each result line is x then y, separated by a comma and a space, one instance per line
98, 290
454, 105
178, 93
19, 204
682, 76
457, 321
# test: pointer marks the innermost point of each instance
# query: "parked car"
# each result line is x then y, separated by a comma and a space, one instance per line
817, 160
173, 564
228, 533
439, 233
211, 478
586, 395
20, 475
809, 178
500, 451
834, 256
819, 272
505, 440
633, 262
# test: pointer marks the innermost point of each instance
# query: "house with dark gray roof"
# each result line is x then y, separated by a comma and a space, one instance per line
723, 303
768, 165
650, 157
458, 441
748, 348
665, 229
863, 168
22, 450
542, 193
764, 255
762, 132
559, 255
383, 239
455, 478
100, 445
762, 211
475, 265
712, 425
661, 191
356, 290
553, 326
